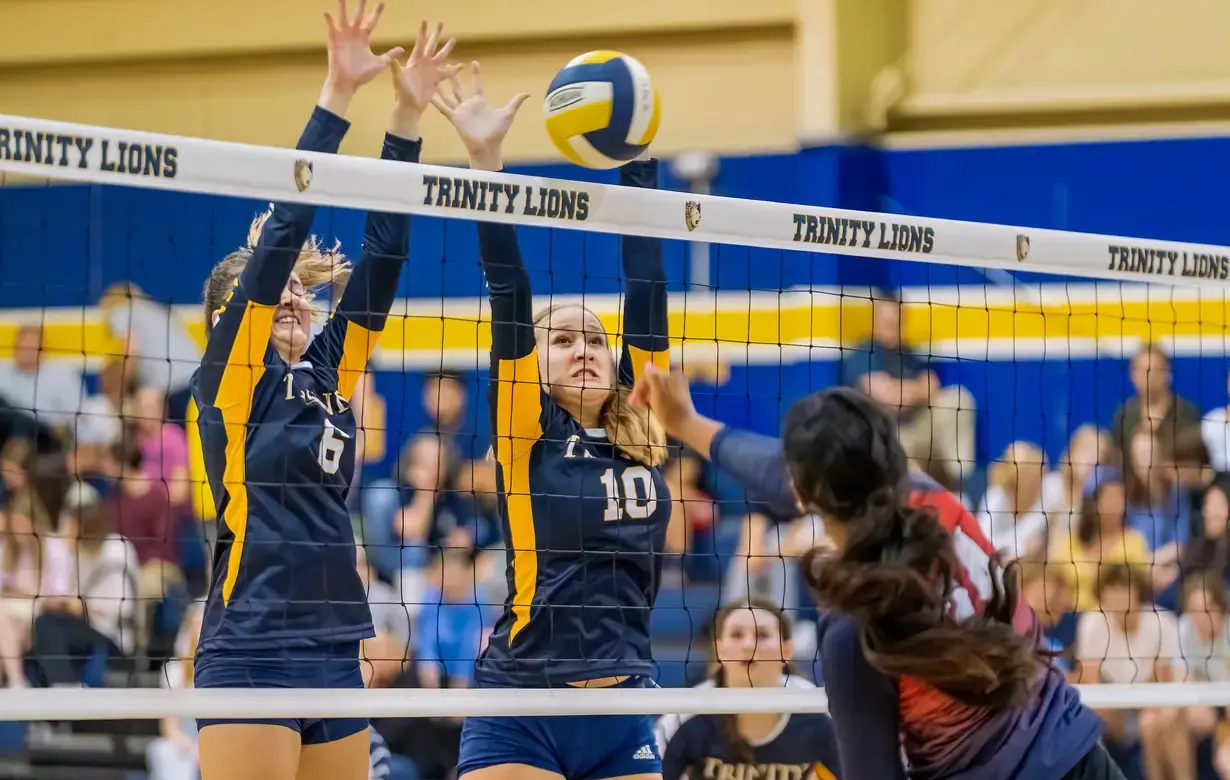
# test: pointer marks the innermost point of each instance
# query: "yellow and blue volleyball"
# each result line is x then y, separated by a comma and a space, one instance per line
602, 110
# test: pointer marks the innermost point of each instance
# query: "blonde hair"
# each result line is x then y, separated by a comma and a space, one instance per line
1006, 475
636, 432
316, 266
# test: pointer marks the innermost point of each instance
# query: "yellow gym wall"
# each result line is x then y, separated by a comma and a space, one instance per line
734, 75
975, 63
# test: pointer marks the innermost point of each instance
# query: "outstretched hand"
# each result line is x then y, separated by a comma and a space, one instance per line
417, 81
352, 63
481, 127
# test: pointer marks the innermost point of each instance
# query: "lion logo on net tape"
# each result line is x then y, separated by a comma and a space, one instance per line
1022, 247
303, 174
691, 215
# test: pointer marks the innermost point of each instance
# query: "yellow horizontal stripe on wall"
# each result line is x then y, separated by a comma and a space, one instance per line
969, 317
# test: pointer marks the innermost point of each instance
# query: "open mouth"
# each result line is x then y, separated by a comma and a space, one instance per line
286, 319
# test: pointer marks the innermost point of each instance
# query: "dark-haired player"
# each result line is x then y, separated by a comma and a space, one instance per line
751, 645
963, 688
583, 501
286, 607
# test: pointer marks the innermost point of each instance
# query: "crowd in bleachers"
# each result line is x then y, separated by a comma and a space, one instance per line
103, 546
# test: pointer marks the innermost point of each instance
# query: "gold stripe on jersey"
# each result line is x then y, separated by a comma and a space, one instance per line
518, 425
639, 357
244, 368
357, 348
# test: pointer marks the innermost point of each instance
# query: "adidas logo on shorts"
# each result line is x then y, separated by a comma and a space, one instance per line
645, 752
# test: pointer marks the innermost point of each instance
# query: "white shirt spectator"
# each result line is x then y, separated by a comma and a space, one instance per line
1016, 536
105, 582
53, 392
1207, 661
1130, 658
1215, 430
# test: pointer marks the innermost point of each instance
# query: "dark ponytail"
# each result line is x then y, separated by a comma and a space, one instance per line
897, 567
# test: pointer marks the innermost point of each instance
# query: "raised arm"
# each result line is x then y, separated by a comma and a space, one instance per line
755, 461
516, 393
645, 310
351, 335
239, 334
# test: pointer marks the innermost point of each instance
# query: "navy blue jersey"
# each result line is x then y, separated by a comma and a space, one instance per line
278, 440
802, 747
584, 524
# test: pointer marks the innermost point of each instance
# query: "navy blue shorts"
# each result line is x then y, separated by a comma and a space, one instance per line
588, 747
330, 666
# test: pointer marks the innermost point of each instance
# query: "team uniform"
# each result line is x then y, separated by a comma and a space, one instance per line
584, 527
803, 746
879, 717
286, 607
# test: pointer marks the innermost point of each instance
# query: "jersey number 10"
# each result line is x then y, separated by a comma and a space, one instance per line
636, 481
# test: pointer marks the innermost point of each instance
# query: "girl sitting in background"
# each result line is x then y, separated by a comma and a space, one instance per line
173, 755
1013, 513
751, 649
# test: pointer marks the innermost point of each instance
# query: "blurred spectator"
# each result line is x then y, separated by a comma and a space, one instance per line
1158, 507
1204, 635
1155, 406
1099, 539
145, 517
89, 618
694, 509
154, 335
1014, 514
43, 397
385, 654
26, 524
1064, 487
1207, 550
101, 423
173, 755
1130, 641
1215, 430
936, 423
371, 419
163, 445
451, 626
1050, 595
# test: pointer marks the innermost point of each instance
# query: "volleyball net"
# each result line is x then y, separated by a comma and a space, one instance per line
106, 236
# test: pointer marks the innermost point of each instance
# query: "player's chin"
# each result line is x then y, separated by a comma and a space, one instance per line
289, 337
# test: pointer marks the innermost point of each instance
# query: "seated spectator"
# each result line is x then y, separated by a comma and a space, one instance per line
1063, 488
452, 627
101, 423
1208, 550
1155, 407
1158, 507
1098, 540
1204, 636
1215, 430
163, 445
1131, 641
384, 655
936, 423
41, 398
173, 755
90, 619
1014, 514
765, 566
157, 340
24, 524
1049, 594
694, 508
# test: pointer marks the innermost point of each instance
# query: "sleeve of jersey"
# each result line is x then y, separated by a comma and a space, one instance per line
645, 304
234, 359
351, 335
864, 707
516, 395
757, 464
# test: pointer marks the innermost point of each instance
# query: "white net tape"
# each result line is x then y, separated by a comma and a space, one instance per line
78, 153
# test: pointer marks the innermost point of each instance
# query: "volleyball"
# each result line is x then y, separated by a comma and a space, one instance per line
602, 109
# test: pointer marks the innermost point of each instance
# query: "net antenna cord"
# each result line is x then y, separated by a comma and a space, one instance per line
98, 155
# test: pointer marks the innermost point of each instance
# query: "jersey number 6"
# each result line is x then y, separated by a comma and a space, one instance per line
636, 480
332, 445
